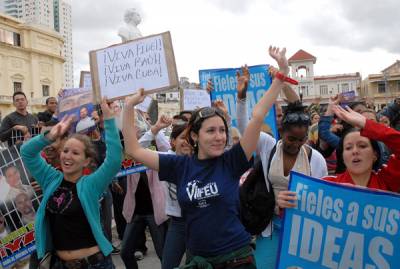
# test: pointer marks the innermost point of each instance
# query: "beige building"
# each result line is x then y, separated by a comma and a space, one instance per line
30, 61
383, 87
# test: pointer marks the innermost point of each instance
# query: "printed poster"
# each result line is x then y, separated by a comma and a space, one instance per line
79, 103
339, 226
225, 85
18, 205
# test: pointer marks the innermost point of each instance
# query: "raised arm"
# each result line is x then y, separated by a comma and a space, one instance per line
290, 94
251, 134
132, 147
103, 176
324, 125
30, 153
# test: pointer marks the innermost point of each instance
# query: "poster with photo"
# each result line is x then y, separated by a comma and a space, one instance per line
79, 103
18, 205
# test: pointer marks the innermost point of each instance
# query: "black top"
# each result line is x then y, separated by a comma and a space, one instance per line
144, 205
13, 119
69, 226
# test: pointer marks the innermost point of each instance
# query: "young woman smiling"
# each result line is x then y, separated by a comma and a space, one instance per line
208, 181
68, 219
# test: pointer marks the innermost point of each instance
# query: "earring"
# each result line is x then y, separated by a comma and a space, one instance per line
195, 144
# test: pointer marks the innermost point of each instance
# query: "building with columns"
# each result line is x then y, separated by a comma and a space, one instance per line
31, 60
311, 86
54, 14
383, 88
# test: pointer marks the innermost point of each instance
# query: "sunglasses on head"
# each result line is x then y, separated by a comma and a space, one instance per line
207, 112
296, 118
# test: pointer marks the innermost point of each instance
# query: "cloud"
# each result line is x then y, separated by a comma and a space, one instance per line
234, 6
360, 25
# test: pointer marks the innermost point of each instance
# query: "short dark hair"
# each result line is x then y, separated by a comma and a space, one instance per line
18, 93
49, 98
178, 129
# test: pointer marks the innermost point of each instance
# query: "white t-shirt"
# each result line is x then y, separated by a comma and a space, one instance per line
84, 124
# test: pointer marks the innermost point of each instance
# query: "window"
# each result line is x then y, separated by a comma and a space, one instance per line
345, 87
398, 86
45, 90
381, 87
323, 90
10, 37
17, 86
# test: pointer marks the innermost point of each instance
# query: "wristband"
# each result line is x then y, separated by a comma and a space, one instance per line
282, 77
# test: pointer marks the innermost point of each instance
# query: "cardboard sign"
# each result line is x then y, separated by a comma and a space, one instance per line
339, 226
225, 89
85, 80
122, 69
18, 205
194, 99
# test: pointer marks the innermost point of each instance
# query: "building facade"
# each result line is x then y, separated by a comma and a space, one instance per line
30, 61
383, 87
54, 14
323, 87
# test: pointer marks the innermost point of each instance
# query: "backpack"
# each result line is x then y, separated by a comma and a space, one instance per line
257, 203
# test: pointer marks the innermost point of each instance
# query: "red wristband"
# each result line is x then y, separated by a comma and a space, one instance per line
282, 77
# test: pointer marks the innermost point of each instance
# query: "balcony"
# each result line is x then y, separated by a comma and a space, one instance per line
6, 99
41, 101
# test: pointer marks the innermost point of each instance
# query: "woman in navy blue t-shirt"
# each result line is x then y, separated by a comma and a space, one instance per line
208, 182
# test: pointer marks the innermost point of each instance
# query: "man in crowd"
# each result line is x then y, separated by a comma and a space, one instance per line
46, 117
19, 120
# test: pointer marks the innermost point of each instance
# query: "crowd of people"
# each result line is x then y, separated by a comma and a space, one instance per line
188, 197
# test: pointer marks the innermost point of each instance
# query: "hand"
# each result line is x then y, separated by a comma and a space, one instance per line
221, 106
242, 82
279, 56
287, 199
333, 101
108, 112
135, 99
60, 128
163, 122
115, 187
24, 130
210, 86
350, 116
27, 136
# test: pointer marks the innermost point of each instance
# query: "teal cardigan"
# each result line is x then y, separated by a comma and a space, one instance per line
89, 188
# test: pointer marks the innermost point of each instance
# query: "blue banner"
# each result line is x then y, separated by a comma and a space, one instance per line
225, 89
339, 226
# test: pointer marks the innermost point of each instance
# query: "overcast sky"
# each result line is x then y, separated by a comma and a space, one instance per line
345, 36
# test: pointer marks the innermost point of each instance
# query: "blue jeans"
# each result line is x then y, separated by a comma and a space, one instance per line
175, 245
107, 263
131, 235
267, 248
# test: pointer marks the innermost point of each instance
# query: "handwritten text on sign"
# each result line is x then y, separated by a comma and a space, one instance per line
194, 98
336, 226
125, 68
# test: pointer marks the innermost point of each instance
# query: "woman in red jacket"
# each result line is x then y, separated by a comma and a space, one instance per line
359, 153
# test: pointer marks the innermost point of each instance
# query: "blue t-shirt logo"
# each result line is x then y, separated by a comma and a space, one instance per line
201, 194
